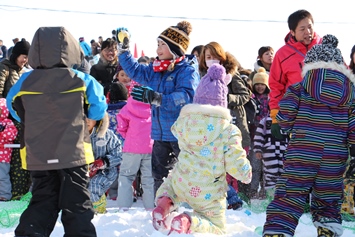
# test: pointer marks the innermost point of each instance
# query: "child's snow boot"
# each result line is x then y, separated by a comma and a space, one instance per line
180, 224
324, 232
100, 205
161, 212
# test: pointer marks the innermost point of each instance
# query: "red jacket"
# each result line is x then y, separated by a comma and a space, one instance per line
287, 67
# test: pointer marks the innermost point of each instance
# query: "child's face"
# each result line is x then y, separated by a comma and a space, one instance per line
260, 88
91, 124
123, 78
267, 57
163, 51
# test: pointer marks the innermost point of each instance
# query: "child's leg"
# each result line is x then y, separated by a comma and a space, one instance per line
5, 184
292, 190
100, 183
128, 170
41, 214
212, 219
327, 194
147, 181
256, 176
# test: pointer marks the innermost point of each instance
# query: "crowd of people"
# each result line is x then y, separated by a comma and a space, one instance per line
91, 123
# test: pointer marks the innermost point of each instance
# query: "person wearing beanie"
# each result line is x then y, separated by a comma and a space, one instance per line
167, 84
86, 48
210, 147
288, 61
10, 72
238, 95
267, 159
315, 111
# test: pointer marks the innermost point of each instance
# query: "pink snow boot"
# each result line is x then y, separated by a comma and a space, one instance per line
161, 212
181, 224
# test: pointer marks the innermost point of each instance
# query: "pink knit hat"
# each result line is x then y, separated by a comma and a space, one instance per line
212, 88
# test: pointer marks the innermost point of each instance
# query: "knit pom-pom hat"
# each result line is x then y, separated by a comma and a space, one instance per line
261, 77
212, 88
177, 37
327, 51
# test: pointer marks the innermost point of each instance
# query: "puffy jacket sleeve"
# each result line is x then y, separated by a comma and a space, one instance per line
276, 82
238, 93
114, 150
2, 78
236, 162
138, 72
95, 98
289, 106
186, 83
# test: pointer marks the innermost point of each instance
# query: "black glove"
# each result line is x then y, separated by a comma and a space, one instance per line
350, 174
276, 131
352, 150
146, 94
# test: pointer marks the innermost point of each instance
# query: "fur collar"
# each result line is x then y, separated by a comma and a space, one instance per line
206, 109
331, 65
101, 129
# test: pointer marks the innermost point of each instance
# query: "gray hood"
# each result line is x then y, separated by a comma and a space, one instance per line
54, 47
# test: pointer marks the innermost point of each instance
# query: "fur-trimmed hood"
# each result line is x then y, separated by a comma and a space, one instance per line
329, 83
102, 126
198, 117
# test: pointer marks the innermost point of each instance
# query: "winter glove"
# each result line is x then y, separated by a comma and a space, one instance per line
123, 39
276, 131
122, 33
146, 94
98, 164
350, 174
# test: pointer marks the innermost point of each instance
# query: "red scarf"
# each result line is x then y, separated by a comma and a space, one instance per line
163, 65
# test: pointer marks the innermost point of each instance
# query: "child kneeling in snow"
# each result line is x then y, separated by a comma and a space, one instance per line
210, 147
107, 150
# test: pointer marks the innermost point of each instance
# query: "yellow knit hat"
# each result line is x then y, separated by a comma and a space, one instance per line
261, 77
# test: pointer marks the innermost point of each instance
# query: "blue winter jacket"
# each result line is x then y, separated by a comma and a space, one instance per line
177, 88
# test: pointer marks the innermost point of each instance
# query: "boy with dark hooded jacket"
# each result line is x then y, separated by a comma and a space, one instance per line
52, 102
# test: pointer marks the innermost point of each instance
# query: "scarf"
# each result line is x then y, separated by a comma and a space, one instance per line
163, 65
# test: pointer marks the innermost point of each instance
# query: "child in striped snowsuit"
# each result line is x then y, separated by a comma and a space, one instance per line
271, 151
319, 112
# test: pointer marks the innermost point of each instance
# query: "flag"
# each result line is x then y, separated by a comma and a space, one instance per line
142, 54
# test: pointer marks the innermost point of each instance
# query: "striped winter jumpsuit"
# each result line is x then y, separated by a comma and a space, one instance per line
319, 113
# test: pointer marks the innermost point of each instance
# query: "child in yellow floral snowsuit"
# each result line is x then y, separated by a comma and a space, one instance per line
210, 147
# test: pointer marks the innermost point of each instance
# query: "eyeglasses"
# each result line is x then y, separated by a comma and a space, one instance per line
110, 50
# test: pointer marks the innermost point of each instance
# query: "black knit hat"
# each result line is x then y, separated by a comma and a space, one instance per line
177, 37
118, 92
21, 47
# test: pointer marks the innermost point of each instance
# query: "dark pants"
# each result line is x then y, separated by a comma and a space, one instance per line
54, 191
164, 157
